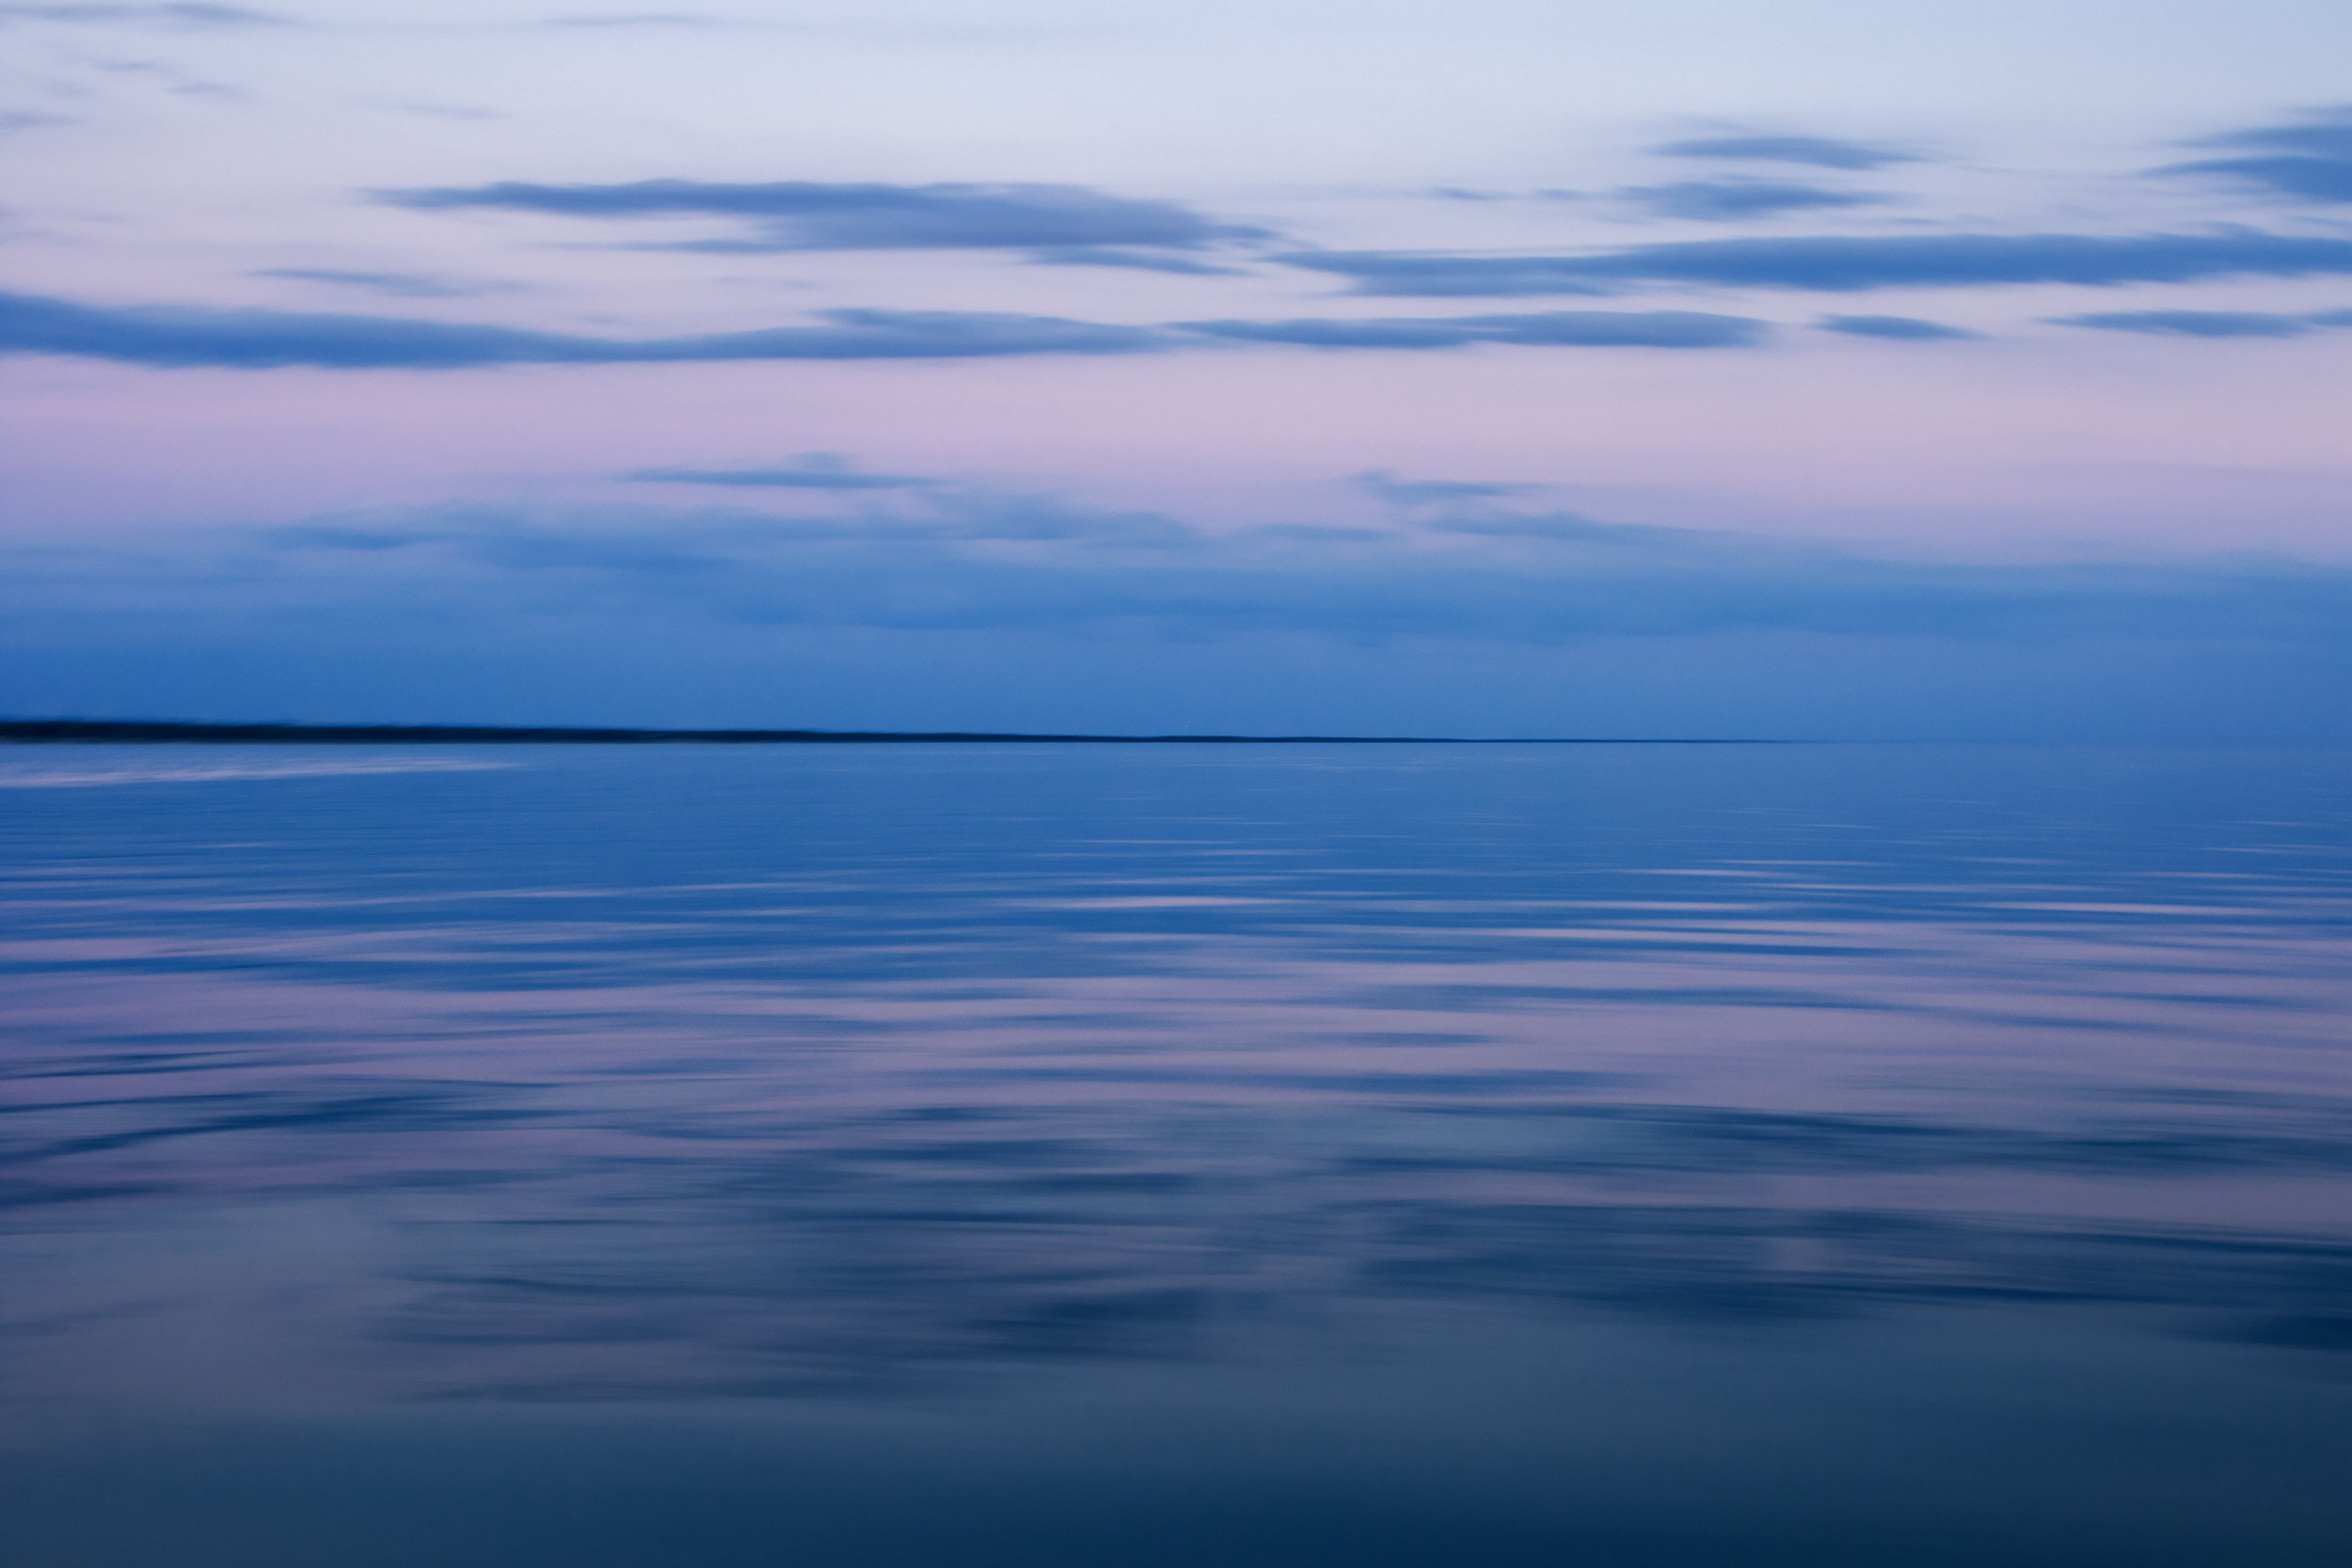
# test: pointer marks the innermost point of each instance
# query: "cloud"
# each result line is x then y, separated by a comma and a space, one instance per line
805, 215
1910, 328
1470, 568
172, 79
1001, 516
1814, 151
13, 120
2210, 323
1558, 528
400, 285
1141, 261
198, 16
1845, 264
2327, 180
190, 336
1556, 328
1730, 201
184, 336
2309, 159
187, 336
564, 613
712, 544
813, 471
1435, 492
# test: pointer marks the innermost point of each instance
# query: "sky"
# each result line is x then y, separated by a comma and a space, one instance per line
1690, 367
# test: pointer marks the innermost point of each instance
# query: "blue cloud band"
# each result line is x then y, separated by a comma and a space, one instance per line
1845, 264
259, 339
2210, 323
1468, 569
808, 215
1901, 329
1554, 329
1732, 201
1814, 151
176, 336
2309, 161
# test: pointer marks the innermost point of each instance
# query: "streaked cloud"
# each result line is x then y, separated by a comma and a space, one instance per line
1903, 329
2308, 160
185, 335
813, 471
1555, 328
810, 216
2211, 324
1813, 152
1846, 264
1735, 200
192, 16
1435, 492
258, 340
1469, 568
399, 285
1137, 261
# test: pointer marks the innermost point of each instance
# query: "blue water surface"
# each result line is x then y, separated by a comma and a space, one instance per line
862, 1155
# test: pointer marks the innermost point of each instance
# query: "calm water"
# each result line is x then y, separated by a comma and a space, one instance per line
862, 1156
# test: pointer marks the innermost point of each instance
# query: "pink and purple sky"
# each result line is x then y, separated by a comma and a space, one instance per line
1687, 368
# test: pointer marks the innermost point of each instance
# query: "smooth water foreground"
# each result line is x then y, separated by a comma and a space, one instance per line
1380, 1155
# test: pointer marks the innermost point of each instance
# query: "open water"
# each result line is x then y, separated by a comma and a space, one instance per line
1364, 1156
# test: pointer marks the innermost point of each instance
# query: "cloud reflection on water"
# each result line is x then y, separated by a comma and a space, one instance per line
855, 1069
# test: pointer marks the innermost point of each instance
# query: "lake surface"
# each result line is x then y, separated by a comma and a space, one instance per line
854, 1156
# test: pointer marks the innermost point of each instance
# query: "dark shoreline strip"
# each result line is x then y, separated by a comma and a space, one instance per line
63, 730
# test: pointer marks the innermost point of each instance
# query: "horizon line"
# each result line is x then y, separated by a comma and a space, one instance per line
71, 730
